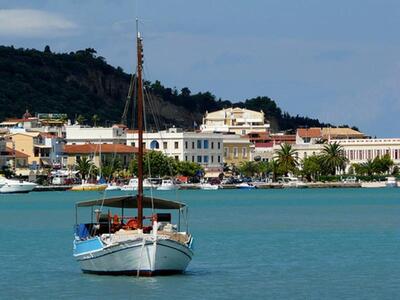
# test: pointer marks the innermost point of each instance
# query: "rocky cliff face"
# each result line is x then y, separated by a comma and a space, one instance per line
80, 83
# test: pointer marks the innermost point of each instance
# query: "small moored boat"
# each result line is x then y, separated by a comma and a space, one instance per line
16, 186
245, 186
120, 245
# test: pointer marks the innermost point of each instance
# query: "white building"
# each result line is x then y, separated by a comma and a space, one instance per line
80, 134
356, 150
234, 120
203, 148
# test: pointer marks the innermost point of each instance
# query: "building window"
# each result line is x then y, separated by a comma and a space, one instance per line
212, 145
205, 144
235, 152
212, 158
176, 157
165, 145
244, 152
154, 145
186, 144
192, 145
198, 144
219, 145
226, 151
186, 158
176, 144
205, 159
199, 158
192, 158
219, 158
133, 144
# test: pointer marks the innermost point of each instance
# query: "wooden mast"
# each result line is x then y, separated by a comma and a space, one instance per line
140, 126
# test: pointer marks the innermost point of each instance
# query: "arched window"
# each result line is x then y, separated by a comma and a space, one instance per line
154, 145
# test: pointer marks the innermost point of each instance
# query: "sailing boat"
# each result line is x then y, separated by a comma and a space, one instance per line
122, 244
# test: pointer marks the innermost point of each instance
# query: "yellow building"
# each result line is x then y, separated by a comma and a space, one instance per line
236, 149
33, 145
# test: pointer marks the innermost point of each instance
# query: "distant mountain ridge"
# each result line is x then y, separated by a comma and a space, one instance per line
82, 83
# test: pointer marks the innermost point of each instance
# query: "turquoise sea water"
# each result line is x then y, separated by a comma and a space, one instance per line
261, 244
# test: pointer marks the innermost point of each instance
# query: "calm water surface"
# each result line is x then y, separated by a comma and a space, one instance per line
261, 244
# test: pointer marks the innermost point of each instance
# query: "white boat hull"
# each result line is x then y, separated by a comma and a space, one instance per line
155, 257
13, 186
168, 187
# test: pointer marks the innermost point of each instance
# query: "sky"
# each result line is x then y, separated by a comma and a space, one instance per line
338, 61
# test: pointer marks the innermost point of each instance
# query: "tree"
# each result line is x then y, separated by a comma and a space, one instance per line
385, 164
263, 168
366, 168
185, 92
311, 167
95, 119
85, 167
80, 119
188, 168
286, 158
110, 167
248, 168
47, 49
155, 163
333, 158
274, 169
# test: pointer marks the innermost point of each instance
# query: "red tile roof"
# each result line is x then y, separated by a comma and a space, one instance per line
309, 132
104, 148
18, 154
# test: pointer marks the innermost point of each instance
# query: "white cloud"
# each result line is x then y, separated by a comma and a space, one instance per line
33, 23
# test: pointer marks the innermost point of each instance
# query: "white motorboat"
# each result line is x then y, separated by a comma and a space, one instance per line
151, 183
168, 185
123, 244
245, 186
112, 187
16, 186
208, 186
373, 184
292, 182
391, 181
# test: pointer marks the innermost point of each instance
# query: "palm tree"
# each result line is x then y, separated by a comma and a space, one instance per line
248, 168
80, 119
84, 166
95, 119
368, 167
333, 158
274, 169
286, 158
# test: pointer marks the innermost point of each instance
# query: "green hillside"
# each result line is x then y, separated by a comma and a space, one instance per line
82, 83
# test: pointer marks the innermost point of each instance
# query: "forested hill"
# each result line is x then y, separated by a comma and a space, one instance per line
82, 83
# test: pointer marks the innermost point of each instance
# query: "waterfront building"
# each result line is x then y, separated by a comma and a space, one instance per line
32, 144
95, 152
203, 148
12, 158
237, 149
234, 120
361, 150
315, 135
81, 134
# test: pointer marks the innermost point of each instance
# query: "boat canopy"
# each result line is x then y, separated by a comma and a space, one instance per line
131, 202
